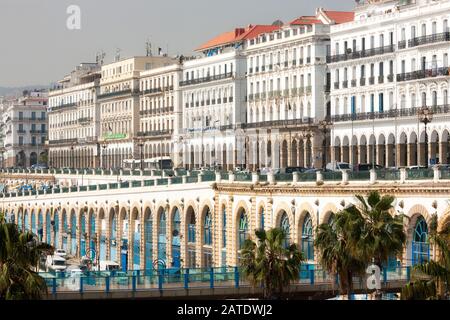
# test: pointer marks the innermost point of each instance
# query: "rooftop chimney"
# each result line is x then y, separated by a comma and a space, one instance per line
238, 32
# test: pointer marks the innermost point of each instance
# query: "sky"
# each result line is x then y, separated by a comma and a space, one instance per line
37, 48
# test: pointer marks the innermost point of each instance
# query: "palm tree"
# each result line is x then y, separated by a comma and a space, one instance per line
375, 233
431, 280
19, 254
270, 262
333, 244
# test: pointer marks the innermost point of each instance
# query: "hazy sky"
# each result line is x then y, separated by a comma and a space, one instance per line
37, 48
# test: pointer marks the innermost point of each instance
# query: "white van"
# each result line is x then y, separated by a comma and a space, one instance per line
55, 263
106, 265
338, 166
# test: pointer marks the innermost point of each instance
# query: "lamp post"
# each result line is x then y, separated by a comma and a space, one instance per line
324, 126
104, 145
71, 154
425, 116
141, 145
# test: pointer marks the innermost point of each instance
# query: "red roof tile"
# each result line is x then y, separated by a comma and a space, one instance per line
305, 20
340, 16
238, 34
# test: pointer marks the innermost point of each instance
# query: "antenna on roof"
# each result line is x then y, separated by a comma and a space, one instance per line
117, 57
148, 48
100, 57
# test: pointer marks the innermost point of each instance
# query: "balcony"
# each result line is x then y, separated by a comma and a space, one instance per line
21, 131
256, 69
206, 79
362, 81
64, 141
308, 89
294, 92
301, 60
286, 92
380, 79
306, 121
422, 74
63, 106
85, 120
326, 88
153, 91
286, 64
263, 68
345, 84
360, 54
394, 113
390, 77
308, 60
402, 44
108, 95
433, 38
250, 71
353, 83
37, 131
154, 133
263, 97
371, 80
294, 63
270, 67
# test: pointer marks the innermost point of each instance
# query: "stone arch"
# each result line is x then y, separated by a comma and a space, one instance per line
328, 210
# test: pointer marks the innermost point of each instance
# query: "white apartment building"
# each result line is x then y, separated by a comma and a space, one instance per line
288, 91
119, 100
388, 68
25, 128
74, 119
160, 113
214, 101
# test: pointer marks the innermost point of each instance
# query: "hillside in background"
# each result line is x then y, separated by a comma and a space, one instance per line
17, 91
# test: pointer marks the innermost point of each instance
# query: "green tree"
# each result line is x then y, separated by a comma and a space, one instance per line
333, 242
375, 233
19, 256
361, 233
431, 280
270, 262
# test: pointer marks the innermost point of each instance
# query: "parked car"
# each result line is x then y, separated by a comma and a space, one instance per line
337, 166
39, 166
55, 263
366, 167
61, 252
294, 169
106, 265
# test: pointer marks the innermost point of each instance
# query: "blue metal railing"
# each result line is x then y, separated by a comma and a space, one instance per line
173, 278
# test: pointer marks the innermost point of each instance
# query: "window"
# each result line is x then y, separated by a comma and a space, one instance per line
243, 229
284, 225
420, 244
380, 102
33, 115
20, 115
20, 141
307, 238
208, 231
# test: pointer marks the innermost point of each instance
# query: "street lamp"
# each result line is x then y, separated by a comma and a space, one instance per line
425, 116
324, 125
104, 145
141, 145
71, 153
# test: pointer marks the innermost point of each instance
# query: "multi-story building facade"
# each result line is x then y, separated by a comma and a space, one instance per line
160, 113
119, 100
288, 91
389, 70
74, 119
25, 127
213, 101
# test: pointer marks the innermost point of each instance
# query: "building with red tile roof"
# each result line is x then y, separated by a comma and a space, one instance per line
236, 36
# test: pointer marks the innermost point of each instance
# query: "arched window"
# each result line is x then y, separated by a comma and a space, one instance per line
176, 223
261, 217
207, 226
224, 236
162, 239
307, 238
191, 227
243, 229
420, 245
284, 225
